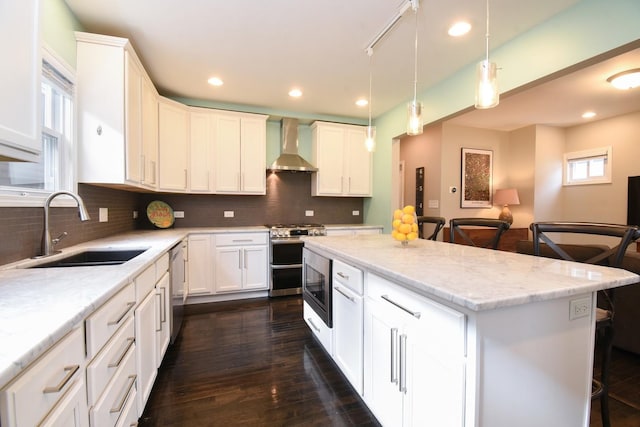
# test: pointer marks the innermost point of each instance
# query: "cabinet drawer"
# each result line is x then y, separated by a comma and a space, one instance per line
162, 266
117, 395
27, 400
241, 239
102, 324
145, 282
319, 328
102, 369
445, 325
348, 276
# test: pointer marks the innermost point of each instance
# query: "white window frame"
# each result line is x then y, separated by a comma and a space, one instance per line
594, 153
17, 197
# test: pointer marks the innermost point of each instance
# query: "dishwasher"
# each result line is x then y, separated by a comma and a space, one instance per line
178, 280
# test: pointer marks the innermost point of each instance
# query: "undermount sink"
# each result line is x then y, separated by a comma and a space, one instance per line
93, 257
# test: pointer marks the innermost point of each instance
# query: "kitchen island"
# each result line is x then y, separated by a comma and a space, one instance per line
486, 338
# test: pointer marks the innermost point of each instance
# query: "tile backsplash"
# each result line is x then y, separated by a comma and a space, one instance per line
287, 200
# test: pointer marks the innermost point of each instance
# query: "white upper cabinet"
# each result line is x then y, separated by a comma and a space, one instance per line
173, 135
118, 115
343, 162
202, 131
240, 153
20, 80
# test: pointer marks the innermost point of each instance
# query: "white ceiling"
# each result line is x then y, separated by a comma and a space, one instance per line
261, 49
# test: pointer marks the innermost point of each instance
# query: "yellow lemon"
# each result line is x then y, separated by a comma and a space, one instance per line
412, 236
400, 236
414, 227
396, 223
397, 214
407, 219
404, 228
409, 209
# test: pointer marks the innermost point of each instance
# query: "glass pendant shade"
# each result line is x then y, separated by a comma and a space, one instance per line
487, 95
370, 140
414, 121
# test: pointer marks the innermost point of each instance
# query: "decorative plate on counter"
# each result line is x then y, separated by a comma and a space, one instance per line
160, 214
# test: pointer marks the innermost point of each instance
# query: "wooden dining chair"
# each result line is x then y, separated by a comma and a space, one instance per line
460, 226
437, 221
546, 236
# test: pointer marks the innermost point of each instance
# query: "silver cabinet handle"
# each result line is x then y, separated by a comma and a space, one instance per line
118, 360
123, 314
344, 276
163, 305
415, 314
242, 240
143, 161
245, 260
313, 325
70, 371
159, 311
347, 296
153, 171
394, 340
123, 399
403, 364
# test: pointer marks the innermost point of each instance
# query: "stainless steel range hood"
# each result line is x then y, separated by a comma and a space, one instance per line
289, 159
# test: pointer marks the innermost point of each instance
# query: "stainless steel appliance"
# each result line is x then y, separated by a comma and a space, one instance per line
285, 256
316, 284
178, 280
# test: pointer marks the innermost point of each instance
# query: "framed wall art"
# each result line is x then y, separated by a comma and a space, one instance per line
477, 178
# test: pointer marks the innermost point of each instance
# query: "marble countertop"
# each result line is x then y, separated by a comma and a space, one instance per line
474, 278
40, 306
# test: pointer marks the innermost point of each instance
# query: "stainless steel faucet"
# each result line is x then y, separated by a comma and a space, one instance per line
48, 244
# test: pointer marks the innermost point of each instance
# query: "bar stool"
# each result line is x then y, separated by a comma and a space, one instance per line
438, 223
459, 226
544, 245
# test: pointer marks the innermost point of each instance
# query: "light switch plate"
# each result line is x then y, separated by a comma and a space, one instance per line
308, 213
355, 213
103, 215
229, 214
433, 204
178, 214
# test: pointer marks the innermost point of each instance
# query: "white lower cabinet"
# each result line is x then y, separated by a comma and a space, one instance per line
323, 333
241, 262
414, 358
348, 331
163, 320
200, 264
52, 391
145, 317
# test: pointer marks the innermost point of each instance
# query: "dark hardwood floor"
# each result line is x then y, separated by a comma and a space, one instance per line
251, 363
256, 363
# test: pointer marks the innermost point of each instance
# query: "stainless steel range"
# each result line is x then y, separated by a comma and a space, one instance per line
285, 256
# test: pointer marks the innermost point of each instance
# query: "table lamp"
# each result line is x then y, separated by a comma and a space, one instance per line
506, 197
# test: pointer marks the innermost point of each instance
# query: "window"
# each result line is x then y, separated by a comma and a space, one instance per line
588, 167
28, 184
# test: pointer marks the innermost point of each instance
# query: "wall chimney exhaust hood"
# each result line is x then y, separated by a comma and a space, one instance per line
289, 159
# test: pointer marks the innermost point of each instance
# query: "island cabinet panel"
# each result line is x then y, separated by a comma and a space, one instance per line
414, 357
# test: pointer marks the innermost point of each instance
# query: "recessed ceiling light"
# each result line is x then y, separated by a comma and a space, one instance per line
362, 102
626, 80
215, 81
459, 29
295, 93
588, 115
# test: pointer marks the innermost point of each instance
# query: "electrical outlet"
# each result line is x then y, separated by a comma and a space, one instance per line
178, 214
355, 213
229, 214
103, 215
308, 213
135, 214
434, 204
579, 308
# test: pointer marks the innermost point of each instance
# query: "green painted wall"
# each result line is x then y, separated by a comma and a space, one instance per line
58, 25
590, 28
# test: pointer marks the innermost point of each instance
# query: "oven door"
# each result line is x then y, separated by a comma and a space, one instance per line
316, 284
285, 266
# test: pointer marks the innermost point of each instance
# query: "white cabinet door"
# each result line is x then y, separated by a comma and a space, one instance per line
229, 269
200, 265
253, 155
227, 154
357, 164
133, 120
348, 334
149, 134
173, 136
71, 411
202, 128
20, 80
146, 366
255, 267
163, 321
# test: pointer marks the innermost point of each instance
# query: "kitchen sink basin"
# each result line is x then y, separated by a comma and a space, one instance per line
93, 257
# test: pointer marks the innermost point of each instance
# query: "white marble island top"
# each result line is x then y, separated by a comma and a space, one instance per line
474, 278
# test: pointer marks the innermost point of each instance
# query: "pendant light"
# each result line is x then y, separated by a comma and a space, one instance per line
370, 140
414, 109
487, 95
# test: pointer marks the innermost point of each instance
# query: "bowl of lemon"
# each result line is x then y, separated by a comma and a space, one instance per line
405, 225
